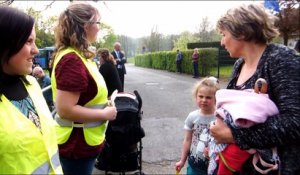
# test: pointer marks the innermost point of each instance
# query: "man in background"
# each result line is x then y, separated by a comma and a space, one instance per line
179, 58
119, 56
44, 81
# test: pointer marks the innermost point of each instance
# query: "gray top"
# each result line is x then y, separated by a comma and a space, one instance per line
198, 123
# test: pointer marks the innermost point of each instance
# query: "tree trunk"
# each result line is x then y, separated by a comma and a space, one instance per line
285, 38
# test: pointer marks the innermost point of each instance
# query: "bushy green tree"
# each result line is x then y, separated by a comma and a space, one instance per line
184, 38
107, 37
43, 28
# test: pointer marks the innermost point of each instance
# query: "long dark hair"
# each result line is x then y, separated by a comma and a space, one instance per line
15, 28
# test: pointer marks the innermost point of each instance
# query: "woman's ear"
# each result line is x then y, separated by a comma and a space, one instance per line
86, 27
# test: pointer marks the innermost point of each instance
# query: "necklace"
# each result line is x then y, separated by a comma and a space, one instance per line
27, 108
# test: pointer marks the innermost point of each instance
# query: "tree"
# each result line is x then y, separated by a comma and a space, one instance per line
153, 41
214, 35
6, 2
44, 39
107, 37
129, 45
289, 16
181, 43
204, 31
43, 28
142, 45
167, 42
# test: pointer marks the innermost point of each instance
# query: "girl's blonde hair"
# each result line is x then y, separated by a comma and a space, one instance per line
106, 55
250, 23
211, 82
70, 30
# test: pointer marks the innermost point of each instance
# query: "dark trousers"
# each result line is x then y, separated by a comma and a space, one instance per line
178, 66
83, 166
196, 70
121, 75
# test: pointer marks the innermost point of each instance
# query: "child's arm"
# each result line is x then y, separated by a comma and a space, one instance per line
185, 149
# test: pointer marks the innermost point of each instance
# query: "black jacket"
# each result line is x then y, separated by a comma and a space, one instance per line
120, 64
280, 66
111, 77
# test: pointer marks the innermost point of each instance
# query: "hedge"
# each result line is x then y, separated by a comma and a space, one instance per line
166, 60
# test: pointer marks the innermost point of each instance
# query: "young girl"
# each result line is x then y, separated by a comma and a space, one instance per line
196, 125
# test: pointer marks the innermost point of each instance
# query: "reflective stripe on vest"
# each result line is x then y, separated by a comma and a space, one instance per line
45, 167
68, 123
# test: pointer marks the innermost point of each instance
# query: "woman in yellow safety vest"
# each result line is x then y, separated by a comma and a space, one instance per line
27, 131
79, 90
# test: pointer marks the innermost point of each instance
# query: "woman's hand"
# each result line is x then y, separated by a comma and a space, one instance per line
110, 112
221, 132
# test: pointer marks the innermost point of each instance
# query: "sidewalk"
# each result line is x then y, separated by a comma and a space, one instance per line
165, 167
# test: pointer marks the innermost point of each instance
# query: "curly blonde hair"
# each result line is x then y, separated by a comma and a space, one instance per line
70, 32
250, 22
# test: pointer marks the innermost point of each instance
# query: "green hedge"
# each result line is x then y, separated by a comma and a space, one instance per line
216, 44
224, 57
166, 60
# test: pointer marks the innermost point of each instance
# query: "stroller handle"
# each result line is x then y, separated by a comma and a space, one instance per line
136, 93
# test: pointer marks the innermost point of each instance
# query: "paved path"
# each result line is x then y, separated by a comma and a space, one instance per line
167, 100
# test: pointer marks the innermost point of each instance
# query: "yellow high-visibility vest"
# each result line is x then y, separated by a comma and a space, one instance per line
94, 132
24, 148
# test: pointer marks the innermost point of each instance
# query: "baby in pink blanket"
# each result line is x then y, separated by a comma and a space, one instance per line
241, 109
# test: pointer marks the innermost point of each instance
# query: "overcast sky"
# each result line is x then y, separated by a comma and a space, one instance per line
138, 18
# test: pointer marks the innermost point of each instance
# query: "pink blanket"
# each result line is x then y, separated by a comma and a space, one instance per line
245, 107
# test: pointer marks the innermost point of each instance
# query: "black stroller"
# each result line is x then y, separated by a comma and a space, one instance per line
123, 148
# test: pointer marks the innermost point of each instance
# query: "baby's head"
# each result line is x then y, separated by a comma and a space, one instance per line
204, 93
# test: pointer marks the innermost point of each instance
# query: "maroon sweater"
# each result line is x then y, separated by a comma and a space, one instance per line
195, 57
72, 75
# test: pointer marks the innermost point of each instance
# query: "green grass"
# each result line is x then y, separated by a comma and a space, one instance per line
130, 60
224, 72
